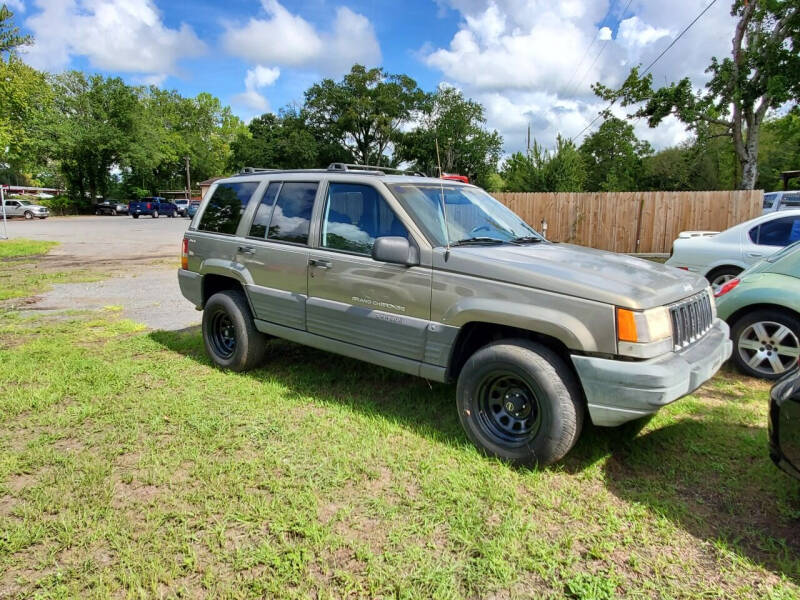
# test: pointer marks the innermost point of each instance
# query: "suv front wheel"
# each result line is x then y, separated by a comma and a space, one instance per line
519, 401
229, 334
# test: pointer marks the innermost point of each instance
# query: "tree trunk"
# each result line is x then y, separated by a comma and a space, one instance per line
748, 160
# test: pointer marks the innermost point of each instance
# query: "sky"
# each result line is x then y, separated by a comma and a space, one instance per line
529, 62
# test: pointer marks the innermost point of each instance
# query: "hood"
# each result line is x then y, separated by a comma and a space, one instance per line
607, 277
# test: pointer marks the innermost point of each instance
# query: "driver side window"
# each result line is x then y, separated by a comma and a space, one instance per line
355, 216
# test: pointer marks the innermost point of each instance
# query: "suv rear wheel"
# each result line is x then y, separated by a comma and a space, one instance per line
519, 401
229, 334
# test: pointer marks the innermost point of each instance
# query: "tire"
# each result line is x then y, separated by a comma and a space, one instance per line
28, 215
227, 315
113, 212
771, 335
98, 212
42, 217
722, 275
547, 413
135, 216
155, 214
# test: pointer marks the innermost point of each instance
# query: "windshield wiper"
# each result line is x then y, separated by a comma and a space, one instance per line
525, 239
477, 240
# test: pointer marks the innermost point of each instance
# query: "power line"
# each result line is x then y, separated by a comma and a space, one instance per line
652, 64
568, 87
600, 53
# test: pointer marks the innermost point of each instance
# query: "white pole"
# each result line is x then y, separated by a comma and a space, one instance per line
3, 204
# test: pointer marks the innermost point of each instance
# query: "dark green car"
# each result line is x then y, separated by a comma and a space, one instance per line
762, 307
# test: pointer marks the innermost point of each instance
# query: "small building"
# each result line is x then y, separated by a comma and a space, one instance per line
204, 185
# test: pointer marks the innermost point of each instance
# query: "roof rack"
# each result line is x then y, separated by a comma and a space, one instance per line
333, 167
370, 169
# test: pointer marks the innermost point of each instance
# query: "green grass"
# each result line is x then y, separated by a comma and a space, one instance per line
130, 467
20, 247
22, 276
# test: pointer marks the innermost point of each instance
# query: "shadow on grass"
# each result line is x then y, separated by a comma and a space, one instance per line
428, 408
710, 476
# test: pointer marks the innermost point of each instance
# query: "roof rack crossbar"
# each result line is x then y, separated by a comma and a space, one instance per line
371, 169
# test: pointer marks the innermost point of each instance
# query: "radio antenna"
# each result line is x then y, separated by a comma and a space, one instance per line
444, 204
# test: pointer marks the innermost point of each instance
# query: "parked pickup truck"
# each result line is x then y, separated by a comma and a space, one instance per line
438, 279
154, 206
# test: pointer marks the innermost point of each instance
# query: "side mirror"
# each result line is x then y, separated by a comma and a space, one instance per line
395, 250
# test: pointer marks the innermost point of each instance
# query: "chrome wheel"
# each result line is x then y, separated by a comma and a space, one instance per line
768, 348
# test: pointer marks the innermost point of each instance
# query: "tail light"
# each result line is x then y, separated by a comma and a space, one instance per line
727, 287
185, 254
149, 206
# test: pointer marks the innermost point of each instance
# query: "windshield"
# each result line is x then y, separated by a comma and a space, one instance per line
471, 214
773, 258
25, 202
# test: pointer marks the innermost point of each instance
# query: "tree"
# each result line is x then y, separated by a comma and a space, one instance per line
523, 172
364, 111
780, 150
564, 170
169, 128
10, 38
613, 157
284, 141
762, 73
465, 145
92, 128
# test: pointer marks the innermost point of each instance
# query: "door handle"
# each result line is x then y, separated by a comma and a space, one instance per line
246, 250
319, 263
756, 254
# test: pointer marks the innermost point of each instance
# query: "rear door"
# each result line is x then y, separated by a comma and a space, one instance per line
355, 299
767, 238
276, 252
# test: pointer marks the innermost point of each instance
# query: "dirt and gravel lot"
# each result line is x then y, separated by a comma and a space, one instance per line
140, 255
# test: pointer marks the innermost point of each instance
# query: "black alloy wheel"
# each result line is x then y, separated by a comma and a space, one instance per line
510, 413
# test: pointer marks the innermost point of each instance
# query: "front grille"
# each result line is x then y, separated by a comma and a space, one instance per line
691, 319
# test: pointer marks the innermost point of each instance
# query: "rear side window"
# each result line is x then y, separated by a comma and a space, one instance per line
264, 212
355, 215
225, 207
780, 232
291, 216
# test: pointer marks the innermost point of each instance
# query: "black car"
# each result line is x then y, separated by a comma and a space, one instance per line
784, 424
111, 207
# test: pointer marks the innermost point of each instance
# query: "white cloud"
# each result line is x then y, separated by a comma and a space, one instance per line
634, 32
288, 40
115, 35
257, 78
522, 58
15, 6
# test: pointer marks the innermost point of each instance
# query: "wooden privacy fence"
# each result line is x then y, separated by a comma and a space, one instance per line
646, 222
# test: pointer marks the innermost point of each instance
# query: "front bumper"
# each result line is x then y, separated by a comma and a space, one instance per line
619, 391
191, 285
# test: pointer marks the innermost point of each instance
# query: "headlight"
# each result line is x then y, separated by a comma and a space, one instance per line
644, 334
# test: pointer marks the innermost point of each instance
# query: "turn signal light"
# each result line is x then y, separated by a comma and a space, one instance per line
626, 326
727, 287
185, 254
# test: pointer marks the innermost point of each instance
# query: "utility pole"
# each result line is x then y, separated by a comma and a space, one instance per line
188, 180
4, 235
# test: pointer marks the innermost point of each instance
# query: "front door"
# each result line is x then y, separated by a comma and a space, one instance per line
355, 299
12, 208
